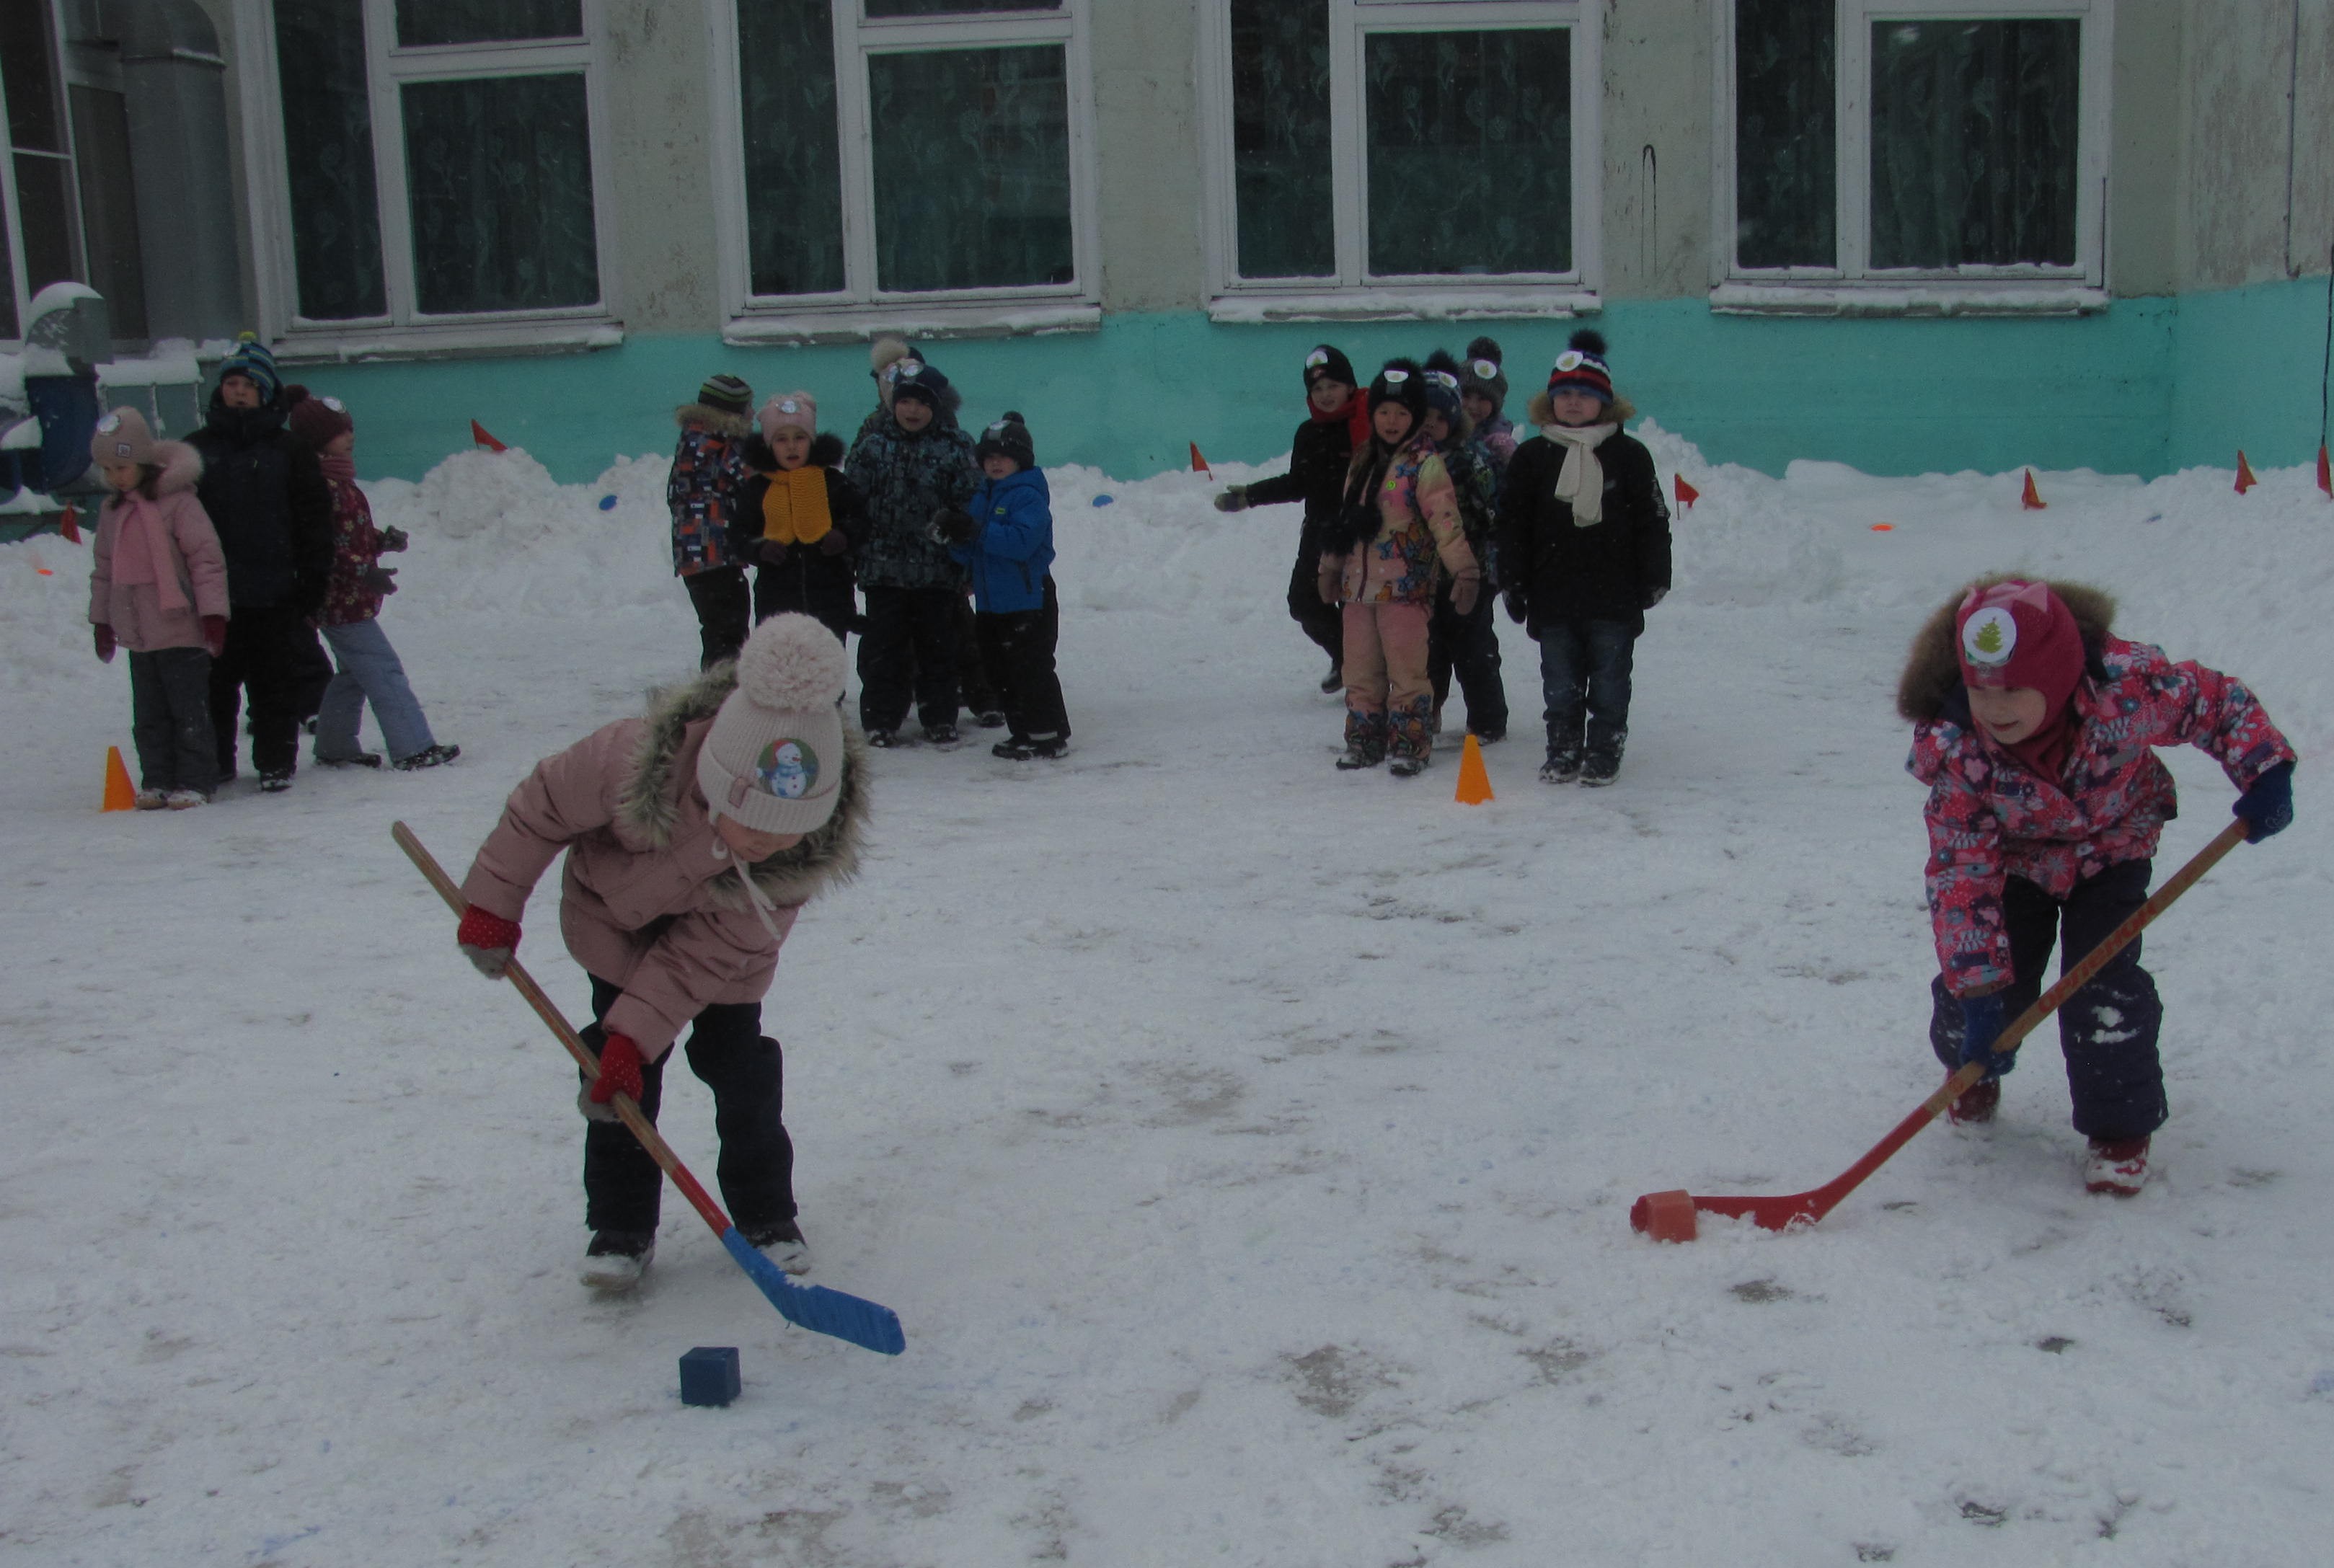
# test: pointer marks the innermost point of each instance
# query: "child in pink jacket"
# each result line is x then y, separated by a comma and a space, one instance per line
694, 835
157, 587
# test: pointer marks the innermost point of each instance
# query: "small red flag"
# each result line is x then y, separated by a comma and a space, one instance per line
70, 526
2032, 500
2245, 480
1686, 494
478, 437
2324, 474
1199, 463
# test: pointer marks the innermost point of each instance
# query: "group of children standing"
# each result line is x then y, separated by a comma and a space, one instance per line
1421, 505
218, 562
914, 515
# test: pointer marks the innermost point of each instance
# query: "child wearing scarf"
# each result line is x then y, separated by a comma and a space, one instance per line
1384, 559
797, 517
1336, 426
369, 669
2034, 728
157, 588
1583, 552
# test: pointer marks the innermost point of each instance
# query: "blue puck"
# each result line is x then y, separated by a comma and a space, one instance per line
1104, 500
708, 1375
607, 502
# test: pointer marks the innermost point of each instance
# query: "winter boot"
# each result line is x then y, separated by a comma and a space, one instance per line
942, 735
884, 739
1408, 765
1335, 681
151, 800
617, 1259
361, 759
1600, 768
1977, 1104
427, 756
782, 1243
275, 781
2117, 1166
1561, 767
186, 800
1358, 757
989, 718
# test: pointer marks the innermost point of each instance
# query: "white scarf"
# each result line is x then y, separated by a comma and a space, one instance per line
1581, 480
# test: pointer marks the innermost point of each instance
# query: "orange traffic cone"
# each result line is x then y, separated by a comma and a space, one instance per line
478, 438
2245, 480
1199, 463
1686, 494
1474, 784
2324, 474
2032, 500
119, 796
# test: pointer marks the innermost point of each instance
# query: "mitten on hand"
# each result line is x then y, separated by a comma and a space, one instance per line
103, 635
619, 1073
1518, 605
772, 552
1983, 1018
2268, 806
1233, 500
215, 635
381, 579
956, 526
1465, 590
488, 940
834, 542
1329, 577
393, 539
1654, 596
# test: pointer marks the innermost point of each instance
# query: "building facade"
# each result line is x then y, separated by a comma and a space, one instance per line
1901, 234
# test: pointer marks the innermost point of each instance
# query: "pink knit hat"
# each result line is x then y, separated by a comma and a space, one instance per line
789, 410
773, 760
124, 437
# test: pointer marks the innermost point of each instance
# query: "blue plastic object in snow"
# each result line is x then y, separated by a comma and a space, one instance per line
1104, 500
66, 406
607, 502
708, 1375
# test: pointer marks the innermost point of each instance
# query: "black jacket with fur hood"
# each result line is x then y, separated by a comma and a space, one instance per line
1611, 570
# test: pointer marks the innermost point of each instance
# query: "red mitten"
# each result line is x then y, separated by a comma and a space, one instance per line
104, 638
215, 635
620, 1070
488, 940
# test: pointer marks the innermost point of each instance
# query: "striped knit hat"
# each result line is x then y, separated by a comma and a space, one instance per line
252, 361
1582, 366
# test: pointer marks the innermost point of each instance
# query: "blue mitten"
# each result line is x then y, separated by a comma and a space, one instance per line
1983, 1021
2268, 806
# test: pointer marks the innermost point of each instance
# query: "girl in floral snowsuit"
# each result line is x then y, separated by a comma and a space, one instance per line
1382, 560
2034, 728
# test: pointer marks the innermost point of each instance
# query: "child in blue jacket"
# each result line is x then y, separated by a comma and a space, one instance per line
1004, 538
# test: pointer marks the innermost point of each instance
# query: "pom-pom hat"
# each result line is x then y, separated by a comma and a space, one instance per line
1401, 381
251, 359
918, 380
1444, 386
1328, 359
1483, 373
789, 411
1010, 437
725, 393
1582, 367
316, 422
773, 761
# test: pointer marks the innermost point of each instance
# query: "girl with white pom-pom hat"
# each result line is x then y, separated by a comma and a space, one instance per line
694, 835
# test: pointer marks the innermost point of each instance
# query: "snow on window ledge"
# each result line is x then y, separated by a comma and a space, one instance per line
1427, 303
309, 346
1936, 299
858, 323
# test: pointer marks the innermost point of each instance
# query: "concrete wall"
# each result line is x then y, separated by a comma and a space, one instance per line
1657, 137
1146, 113
659, 153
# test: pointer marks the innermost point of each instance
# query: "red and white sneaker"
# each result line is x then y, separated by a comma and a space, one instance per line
1977, 1104
2118, 1165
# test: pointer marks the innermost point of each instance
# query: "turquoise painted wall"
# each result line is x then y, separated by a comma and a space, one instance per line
2147, 385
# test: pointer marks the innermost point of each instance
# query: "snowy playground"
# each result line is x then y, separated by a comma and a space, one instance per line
1246, 1147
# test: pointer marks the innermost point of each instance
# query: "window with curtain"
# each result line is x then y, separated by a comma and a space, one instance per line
473, 194
45, 224
1287, 210
906, 146
1969, 154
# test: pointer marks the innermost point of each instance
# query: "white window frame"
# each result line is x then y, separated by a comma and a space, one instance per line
1852, 287
405, 329
61, 74
1355, 293
861, 307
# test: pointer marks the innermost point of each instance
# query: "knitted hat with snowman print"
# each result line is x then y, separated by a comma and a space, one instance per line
773, 761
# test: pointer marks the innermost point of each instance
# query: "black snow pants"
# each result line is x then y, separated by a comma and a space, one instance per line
744, 1068
1469, 645
909, 650
724, 609
1019, 649
170, 719
2108, 1028
274, 657
1323, 623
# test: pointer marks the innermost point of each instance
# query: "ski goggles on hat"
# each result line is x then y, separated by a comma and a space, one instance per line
334, 404
1392, 375
1444, 379
1486, 369
1572, 359
790, 407
1317, 359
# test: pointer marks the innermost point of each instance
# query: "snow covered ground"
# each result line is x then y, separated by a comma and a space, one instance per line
1247, 1148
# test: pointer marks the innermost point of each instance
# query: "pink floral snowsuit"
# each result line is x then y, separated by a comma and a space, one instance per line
1387, 588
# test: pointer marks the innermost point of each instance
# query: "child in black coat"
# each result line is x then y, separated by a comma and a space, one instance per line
797, 517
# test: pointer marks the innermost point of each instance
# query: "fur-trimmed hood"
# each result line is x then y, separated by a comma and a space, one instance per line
182, 467
1540, 411
720, 421
1932, 671
651, 801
